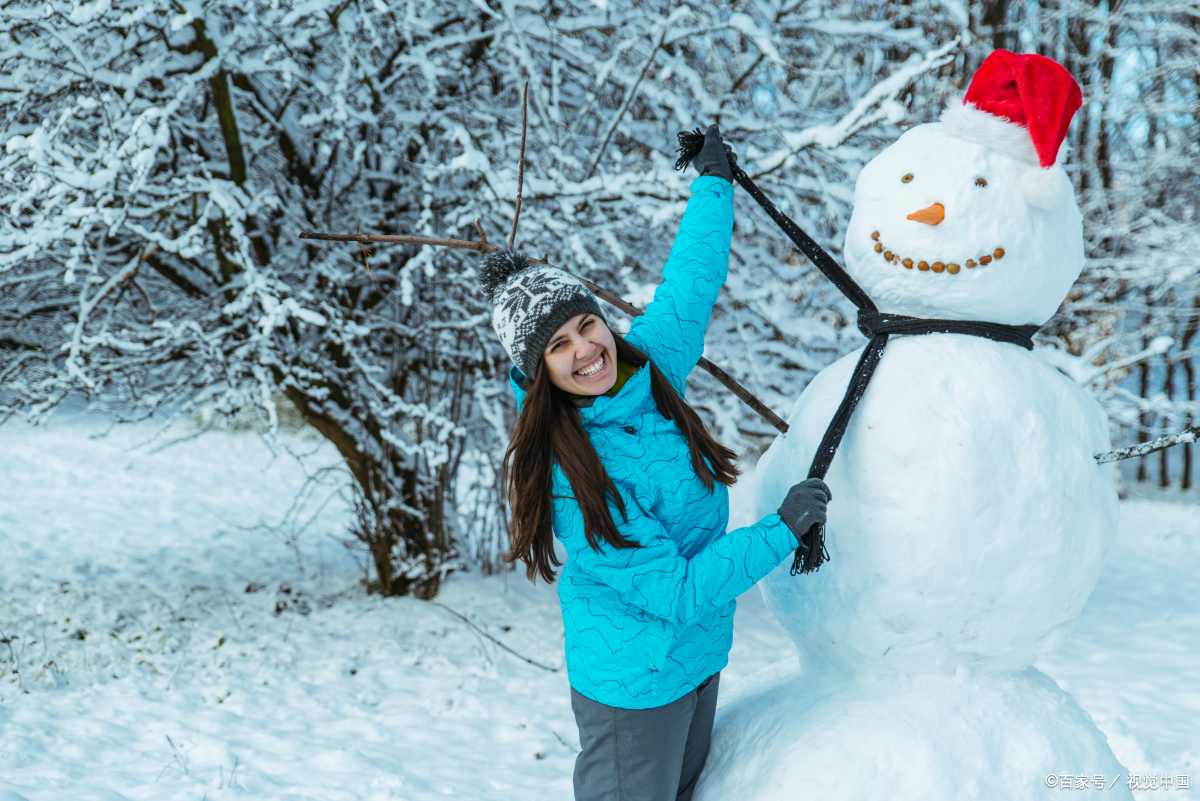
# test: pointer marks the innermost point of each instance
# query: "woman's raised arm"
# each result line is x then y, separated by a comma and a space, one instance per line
672, 330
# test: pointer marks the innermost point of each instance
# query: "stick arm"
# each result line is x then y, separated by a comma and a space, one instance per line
1160, 444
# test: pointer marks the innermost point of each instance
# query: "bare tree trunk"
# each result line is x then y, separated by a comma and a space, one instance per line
1107, 65
1189, 372
1143, 434
1164, 474
993, 19
402, 521
1080, 34
400, 501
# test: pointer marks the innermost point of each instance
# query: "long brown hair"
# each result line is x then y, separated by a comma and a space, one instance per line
550, 430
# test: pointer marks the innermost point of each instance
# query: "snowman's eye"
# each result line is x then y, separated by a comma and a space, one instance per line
981, 182
906, 178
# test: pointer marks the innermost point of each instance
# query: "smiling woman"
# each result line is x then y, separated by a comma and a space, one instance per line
609, 458
582, 356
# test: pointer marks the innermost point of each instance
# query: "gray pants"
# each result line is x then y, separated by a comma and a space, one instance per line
643, 754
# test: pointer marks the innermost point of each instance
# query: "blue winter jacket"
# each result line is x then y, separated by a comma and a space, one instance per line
646, 625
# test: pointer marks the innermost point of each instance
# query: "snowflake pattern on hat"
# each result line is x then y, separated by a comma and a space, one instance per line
531, 302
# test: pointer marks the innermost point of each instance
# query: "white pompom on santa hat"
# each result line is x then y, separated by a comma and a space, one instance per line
1021, 105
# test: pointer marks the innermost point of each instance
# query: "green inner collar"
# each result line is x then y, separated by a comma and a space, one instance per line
625, 371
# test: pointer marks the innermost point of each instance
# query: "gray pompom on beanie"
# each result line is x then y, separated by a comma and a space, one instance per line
529, 303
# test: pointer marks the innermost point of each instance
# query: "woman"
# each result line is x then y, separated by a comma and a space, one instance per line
607, 456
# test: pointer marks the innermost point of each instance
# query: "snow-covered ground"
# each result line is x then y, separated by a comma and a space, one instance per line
182, 632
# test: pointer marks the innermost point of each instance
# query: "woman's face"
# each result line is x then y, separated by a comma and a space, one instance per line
582, 356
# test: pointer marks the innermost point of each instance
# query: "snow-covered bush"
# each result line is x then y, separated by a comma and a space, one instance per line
160, 159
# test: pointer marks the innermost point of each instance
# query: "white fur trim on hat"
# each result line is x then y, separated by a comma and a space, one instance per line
1046, 188
964, 121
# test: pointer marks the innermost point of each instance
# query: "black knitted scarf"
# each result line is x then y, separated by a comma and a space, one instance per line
874, 325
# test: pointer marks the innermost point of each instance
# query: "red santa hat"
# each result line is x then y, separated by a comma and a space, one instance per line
1021, 105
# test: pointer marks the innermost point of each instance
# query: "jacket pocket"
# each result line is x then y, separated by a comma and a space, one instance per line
653, 636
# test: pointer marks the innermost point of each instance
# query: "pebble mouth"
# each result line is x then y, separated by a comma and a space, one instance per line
952, 268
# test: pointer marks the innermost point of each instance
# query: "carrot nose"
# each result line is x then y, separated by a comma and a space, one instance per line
930, 215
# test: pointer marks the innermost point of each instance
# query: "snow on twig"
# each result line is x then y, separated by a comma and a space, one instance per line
1081, 370
762, 39
830, 136
629, 97
1160, 444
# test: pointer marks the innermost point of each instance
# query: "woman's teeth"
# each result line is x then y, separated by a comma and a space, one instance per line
596, 367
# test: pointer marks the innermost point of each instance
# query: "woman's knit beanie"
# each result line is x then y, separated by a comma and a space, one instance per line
529, 303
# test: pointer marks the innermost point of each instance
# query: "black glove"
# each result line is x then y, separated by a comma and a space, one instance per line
804, 507
715, 157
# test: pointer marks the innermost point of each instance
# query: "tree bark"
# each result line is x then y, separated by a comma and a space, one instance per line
406, 514
1143, 434
1189, 374
1164, 467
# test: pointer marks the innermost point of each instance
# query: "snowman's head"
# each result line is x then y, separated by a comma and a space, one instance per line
972, 218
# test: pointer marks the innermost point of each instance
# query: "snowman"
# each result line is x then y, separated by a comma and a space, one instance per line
969, 521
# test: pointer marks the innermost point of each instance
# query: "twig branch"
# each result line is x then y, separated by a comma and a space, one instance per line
738, 83
146, 297
616, 120
228, 603
178, 756
512, 237
86, 307
481, 247
183, 658
867, 111
365, 253
1162, 443
493, 639
1118, 364
744, 395
479, 228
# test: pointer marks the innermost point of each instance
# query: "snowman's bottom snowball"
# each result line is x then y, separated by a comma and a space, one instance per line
930, 738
